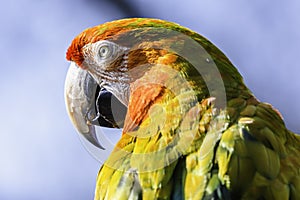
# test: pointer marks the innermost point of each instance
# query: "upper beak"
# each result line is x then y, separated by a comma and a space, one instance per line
80, 90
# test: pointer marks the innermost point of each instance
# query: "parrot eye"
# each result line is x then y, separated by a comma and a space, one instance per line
104, 52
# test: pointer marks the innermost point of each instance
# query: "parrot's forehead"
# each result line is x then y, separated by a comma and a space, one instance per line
111, 31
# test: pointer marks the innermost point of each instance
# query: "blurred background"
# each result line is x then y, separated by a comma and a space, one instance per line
41, 156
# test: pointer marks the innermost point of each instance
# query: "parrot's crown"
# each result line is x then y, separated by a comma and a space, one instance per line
108, 30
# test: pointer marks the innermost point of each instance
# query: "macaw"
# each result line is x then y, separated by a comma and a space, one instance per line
191, 129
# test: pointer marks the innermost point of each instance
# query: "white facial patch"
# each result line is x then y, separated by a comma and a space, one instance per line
102, 53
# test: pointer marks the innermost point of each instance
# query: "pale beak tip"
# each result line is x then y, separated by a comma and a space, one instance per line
92, 138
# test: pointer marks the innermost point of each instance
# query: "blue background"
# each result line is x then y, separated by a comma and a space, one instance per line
41, 156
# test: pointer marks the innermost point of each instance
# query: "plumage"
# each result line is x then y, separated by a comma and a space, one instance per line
193, 130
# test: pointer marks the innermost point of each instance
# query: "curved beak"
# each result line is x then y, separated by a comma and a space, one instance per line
80, 90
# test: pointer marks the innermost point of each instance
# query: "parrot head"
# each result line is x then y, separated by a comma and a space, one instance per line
107, 62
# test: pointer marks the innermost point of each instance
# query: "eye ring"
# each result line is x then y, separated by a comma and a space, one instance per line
104, 52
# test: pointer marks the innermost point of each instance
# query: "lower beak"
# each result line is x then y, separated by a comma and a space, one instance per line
80, 90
